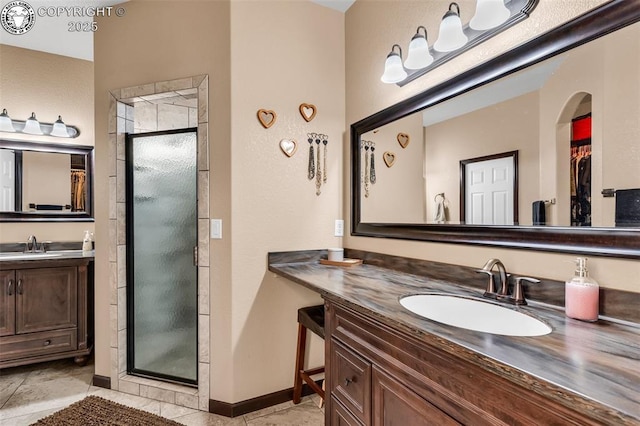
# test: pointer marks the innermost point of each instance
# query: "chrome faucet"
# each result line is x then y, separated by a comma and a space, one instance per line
31, 246
503, 294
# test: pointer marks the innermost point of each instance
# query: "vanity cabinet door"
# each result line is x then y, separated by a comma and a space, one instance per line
8, 303
351, 381
46, 299
395, 404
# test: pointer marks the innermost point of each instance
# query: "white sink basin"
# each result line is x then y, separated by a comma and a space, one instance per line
27, 256
474, 314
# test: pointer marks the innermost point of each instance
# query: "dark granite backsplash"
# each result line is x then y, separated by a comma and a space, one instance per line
617, 304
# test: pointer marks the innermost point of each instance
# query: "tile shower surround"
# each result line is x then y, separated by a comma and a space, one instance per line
170, 103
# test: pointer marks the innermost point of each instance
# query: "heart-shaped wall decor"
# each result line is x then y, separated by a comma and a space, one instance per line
288, 146
403, 139
389, 158
267, 117
307, 111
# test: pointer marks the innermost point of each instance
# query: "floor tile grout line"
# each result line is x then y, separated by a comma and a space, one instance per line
13, 393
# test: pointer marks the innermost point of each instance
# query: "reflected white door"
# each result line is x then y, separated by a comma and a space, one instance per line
7, 180
489, 192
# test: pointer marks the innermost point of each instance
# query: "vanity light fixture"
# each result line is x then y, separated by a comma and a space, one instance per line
489, 14
32, 126
419, 55
393, 70
59, 129
491, 17
451, 37
5, 122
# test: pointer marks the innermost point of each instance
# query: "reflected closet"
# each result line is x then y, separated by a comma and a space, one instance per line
580, 170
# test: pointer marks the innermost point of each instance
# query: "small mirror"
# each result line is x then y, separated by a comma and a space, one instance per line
45, 182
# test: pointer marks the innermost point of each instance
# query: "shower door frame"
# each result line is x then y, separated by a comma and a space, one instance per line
129, 137
121, 120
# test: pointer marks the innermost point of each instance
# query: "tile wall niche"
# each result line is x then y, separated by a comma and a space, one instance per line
164, 105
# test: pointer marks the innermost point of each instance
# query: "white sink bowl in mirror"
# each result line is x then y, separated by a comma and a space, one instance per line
473, 314
27, 256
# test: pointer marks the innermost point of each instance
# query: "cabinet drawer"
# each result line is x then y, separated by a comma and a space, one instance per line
35, 344
340, 416
351, 381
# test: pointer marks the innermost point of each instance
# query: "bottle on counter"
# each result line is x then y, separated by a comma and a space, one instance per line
87, 242
582, 294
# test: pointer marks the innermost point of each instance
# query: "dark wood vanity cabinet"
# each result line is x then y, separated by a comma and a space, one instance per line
380, 375
45, 312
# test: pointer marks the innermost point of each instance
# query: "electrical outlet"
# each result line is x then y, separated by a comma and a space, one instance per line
339, 228
216, 229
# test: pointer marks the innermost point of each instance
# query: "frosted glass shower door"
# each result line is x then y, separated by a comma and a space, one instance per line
162, 311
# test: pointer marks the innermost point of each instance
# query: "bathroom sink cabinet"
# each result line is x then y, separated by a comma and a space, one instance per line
45, 311
382, 375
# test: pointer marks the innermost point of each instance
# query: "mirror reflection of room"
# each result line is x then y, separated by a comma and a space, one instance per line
24, 174
572, 120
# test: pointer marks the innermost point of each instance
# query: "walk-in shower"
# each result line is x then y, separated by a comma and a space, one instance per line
161, 226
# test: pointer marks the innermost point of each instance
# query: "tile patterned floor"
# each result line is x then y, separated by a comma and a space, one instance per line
32, 392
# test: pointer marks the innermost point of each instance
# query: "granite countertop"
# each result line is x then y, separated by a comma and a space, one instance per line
590, 367
19, 257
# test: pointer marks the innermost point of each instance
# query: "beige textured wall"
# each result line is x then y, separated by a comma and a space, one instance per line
151, 44
46, 178
399, 192
615, 130
283, 53
395, 21
49, 85
480, 133
273, 55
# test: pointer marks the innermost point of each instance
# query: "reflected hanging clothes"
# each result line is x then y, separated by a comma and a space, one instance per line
580, 185
78, 193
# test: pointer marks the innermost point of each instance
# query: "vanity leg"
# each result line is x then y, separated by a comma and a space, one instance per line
81, 361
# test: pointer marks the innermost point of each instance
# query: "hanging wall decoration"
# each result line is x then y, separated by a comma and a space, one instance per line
312, 162
289, 147
372, 169
389, 158
266, 117
318, 169
308, 111
369, 177
317, 159
325, 142
403, 139
366, 168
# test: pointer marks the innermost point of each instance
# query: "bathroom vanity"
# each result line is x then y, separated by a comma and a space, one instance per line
387, 365
47, 308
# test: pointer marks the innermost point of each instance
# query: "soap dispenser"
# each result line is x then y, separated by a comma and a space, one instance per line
87, 242
581, 294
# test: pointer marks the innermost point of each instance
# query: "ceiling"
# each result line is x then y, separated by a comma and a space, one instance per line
51, 33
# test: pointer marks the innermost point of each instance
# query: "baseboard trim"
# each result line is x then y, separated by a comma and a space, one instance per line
102, 381
247, 406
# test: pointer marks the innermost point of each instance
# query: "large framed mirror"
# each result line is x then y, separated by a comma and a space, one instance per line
46, 182
564, 101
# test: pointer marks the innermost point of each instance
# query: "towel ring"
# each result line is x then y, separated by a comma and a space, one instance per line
438, 195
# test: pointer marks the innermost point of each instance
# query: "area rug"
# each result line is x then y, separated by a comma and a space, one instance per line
97, 411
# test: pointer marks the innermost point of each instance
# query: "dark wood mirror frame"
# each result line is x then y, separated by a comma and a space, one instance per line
610, 242
58, 148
